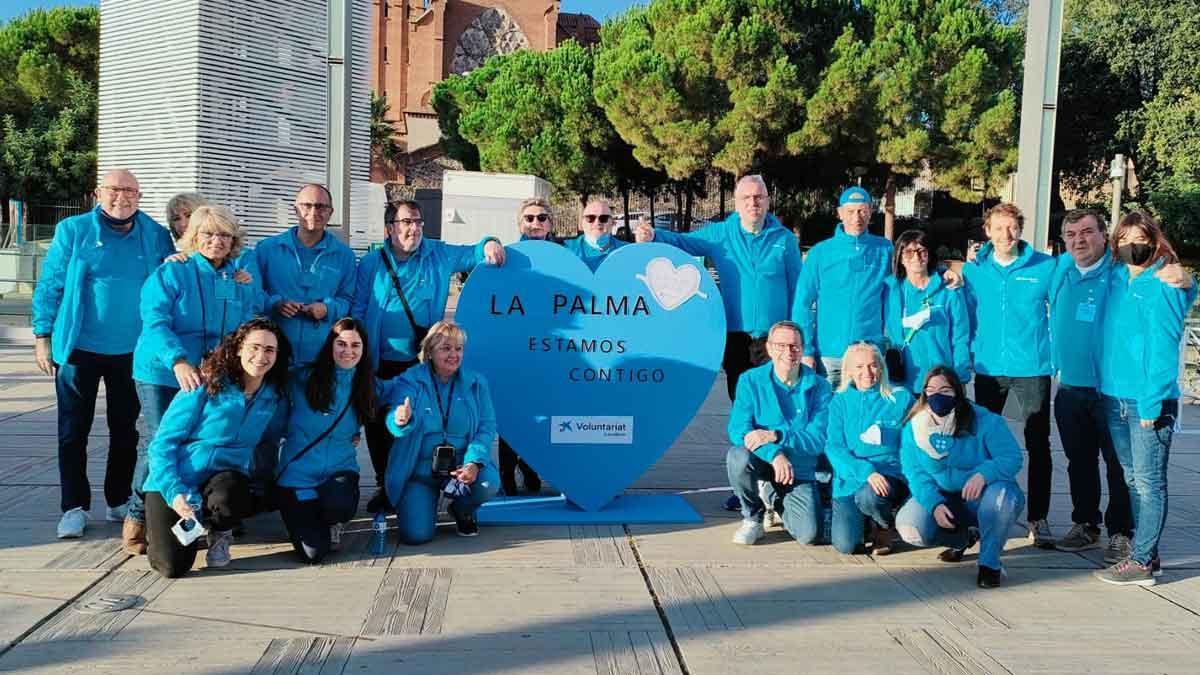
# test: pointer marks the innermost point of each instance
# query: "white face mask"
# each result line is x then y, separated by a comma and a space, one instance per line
599, 242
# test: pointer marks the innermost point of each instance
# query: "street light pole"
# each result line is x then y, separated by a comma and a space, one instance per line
1039, 107
1116, 172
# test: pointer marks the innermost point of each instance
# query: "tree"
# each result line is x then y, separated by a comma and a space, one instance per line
385, 148
695, 85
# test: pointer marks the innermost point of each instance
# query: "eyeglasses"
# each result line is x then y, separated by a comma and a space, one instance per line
793, 348
408, 222
754, 198
313, 206
221, 236
122, 191
916, 253
591, 217
540, 217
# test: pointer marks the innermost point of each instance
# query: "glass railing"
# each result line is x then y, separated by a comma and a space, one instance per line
20, 265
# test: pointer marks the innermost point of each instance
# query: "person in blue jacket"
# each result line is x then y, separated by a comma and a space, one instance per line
926, 321
961, 463
307, 274
85, 325
839, 298
186, 309
777, 426
441, 406
317, 474
401, 290
758, 263
204, 453
1008, 291
863, 445
596, 243
1143, 326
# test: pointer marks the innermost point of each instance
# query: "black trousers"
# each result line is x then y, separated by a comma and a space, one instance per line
379, 439
1033, 409
509, 461
1083, 427
226, 501
742, 353
308, 516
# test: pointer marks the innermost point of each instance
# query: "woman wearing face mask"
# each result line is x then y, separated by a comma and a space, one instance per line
445, 414
1139, 370
961, 463
863, 445
202, 457
318, 467
186, 308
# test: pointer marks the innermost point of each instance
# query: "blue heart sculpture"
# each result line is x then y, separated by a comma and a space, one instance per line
593, 376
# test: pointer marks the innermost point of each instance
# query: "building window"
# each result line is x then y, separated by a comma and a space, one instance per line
385, 54
385, 7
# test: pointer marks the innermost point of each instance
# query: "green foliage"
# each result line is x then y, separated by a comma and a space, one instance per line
385, 148
48, 109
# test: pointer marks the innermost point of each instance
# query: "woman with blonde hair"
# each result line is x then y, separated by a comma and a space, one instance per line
863, 445
186, 308
180, 209
444, 427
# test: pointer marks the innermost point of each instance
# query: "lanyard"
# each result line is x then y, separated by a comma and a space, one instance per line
437, 394
204, 312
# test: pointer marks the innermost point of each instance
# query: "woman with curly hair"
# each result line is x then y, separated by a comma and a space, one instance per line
202, 457
318, 467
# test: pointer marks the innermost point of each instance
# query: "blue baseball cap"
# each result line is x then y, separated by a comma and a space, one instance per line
854, 195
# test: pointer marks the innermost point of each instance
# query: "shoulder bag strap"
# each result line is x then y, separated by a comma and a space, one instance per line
399, 290
312, 444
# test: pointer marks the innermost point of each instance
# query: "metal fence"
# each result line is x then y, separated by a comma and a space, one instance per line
22, 249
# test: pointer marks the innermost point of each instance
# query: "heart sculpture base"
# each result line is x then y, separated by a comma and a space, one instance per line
624, 510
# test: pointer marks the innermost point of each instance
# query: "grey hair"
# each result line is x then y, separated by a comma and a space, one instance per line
752, 178
185, 201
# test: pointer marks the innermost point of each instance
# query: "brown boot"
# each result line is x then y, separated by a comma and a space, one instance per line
881, 540
133, 537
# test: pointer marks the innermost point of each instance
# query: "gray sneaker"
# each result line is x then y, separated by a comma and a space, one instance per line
1119, 548
1127, 573
335, 536
1040, 535
1081, 537
218, 548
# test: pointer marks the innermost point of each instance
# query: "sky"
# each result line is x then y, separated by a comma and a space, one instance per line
597, 8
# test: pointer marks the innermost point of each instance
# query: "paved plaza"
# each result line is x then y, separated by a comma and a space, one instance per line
584, 599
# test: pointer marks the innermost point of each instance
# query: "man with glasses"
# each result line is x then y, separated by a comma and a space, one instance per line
777, 427
401, 290
596, 242
86, 326
758, 263
307, 274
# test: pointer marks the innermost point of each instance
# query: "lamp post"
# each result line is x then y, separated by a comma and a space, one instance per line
1039, 107
1116, 173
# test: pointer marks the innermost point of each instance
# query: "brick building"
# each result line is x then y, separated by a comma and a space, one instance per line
418, 43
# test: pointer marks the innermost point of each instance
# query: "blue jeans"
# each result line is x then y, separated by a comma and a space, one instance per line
155, 400
416, 505
1083, 427
994, 513
77, 383
799, 502
1143, 454
846, 533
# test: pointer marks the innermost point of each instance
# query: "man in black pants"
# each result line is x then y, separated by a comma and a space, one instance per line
227, 501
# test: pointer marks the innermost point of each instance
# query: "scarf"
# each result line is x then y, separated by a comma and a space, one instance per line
924, 426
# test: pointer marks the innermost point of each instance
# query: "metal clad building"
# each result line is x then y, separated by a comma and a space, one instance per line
229, 98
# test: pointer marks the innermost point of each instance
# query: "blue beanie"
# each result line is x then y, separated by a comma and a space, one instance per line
854, 195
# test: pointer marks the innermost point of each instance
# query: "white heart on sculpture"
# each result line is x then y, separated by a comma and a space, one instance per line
671, 286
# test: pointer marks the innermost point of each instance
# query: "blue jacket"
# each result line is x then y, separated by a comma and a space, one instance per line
1143, 325
1011, 327
182, 317
425, 278
1077, 320
989, 449
590, 255
853, 412
336, 452
944, 340
73, 256
324, 273
471, 428
839, 299
202, 435
758, 272
800, 414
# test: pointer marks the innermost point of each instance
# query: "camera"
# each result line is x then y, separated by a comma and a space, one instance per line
443, 460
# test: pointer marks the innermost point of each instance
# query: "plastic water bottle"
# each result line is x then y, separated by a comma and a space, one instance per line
378, 535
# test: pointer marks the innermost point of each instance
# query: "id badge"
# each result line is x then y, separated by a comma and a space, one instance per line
306, 495
308, 279
225, 288
1086, 312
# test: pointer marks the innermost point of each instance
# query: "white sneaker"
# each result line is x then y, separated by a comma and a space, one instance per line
749, 533
218, 548
116, 514
71, 525
335, 536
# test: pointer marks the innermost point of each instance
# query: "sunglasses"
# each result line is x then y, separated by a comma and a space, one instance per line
540, 217
591, 218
